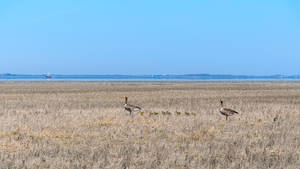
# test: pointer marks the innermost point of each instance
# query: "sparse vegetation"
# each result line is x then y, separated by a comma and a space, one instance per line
83, 125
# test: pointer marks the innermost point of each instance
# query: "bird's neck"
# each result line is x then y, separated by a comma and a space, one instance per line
221, 108
125, 100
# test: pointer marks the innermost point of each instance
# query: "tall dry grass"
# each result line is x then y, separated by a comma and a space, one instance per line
83, 125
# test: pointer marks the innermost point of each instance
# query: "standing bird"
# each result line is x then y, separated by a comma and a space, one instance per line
275, 118
130, 108
226, 112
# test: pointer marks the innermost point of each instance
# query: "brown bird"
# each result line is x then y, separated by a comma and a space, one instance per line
130, 108
275, 118
226, 112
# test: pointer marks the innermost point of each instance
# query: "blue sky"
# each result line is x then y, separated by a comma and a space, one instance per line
150, 37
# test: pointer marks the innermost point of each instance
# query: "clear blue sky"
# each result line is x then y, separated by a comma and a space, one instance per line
150, 37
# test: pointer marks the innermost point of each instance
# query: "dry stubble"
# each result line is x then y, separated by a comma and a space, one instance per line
83, 125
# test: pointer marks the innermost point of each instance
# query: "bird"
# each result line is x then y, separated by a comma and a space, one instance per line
275, 118
130, 108
225, 111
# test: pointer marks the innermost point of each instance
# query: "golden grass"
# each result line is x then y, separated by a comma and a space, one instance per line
83, 125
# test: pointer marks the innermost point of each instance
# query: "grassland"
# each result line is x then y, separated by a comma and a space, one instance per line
83, 125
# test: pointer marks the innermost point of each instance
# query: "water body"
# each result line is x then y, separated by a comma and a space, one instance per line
187, 77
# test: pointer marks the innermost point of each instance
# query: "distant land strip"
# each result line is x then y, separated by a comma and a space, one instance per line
157, 77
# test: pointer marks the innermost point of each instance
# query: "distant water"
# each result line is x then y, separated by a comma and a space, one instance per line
188, 77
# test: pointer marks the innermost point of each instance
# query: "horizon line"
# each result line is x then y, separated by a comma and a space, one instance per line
187, 74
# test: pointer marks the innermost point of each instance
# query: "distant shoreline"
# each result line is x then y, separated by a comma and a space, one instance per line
155, 78
149, 81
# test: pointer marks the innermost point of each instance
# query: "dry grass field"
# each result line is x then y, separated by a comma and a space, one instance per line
83, 125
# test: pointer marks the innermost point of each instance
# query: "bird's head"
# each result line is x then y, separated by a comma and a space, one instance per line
126, 98
221, 101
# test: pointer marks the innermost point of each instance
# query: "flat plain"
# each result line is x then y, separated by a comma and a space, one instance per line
84, 125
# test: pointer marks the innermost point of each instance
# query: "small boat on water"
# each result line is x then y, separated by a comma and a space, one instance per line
48, 76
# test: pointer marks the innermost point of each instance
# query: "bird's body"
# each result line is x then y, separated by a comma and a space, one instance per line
226, 112
129, 107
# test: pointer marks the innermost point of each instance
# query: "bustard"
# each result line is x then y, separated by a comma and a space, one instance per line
225, 111
130, 108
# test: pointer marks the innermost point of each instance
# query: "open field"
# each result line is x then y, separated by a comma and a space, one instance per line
83, 125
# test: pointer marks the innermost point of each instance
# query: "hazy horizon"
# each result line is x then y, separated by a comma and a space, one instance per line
187, 74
